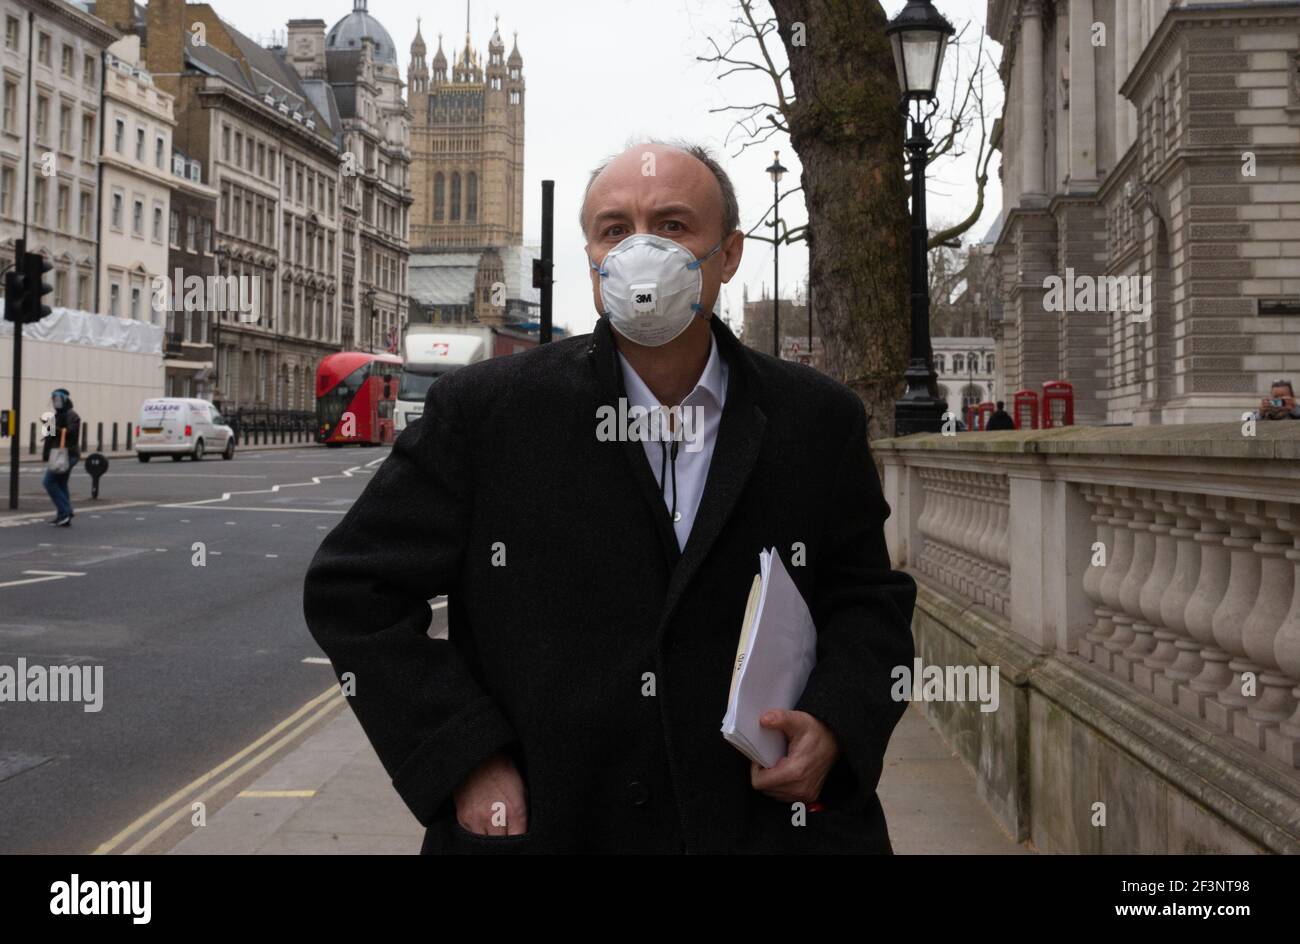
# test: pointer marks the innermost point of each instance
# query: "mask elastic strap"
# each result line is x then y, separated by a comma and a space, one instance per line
699, 262
603, 272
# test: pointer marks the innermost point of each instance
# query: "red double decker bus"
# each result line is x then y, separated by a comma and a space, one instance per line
355, 393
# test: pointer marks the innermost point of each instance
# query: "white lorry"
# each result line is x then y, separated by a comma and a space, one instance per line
428, 352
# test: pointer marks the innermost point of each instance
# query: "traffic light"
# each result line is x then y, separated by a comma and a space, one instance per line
35, 287
13, 296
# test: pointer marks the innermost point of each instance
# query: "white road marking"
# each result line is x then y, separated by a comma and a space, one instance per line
315, 480
298, 511
45, 576
316, 660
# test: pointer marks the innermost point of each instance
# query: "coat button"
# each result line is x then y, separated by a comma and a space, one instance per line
638, 793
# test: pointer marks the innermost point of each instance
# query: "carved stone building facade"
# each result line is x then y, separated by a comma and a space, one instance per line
351, 76
467, 175
1151, 144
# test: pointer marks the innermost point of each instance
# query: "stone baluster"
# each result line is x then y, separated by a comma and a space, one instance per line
1230, 618
925, 523
1284, 742
1002, 552
1103, 627
1274, 703
988, 541
1163, 651
1118, 560
1130, 590
1173, 602
1211, 583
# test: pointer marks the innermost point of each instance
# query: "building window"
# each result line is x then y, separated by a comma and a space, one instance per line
174, 230
88, 70
958, 363
137, 217
86, 213
225, 142
135, 303
239, 149
83, 292
119, 135
115, 214
261, 159
62, 200
157, 222
988, 363
65, 60
159, 145
65, 129
455, 196
38, 201
42, 119
207, 236
87, 137
191, 234
115, 300
61, 289
10, 105
43, 48
139, 144
13, 32
471, 198
6, 191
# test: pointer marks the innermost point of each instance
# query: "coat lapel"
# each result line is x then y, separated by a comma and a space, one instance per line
740, 435
604, 358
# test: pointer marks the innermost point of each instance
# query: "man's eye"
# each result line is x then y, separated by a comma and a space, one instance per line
673, 226
614, 231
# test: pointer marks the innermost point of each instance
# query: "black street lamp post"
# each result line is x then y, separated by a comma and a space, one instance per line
919, 35
776, 172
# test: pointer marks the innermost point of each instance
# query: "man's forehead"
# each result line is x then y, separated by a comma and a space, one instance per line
654, 174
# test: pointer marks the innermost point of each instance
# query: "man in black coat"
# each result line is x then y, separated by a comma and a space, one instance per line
576, 703
1000, 419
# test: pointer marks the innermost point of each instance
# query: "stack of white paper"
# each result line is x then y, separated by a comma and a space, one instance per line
776, 654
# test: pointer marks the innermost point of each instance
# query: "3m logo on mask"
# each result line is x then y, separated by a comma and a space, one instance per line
644, 295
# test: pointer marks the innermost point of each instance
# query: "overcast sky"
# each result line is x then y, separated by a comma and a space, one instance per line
599, 72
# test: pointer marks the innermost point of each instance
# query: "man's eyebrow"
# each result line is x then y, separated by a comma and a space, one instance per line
677, 209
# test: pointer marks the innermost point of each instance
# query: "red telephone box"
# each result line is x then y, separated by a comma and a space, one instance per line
982, 414
1058, 404
1024, 409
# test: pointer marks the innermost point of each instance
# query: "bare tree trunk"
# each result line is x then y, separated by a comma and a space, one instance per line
847, 129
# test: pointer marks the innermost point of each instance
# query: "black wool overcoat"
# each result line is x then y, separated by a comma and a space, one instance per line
581, 641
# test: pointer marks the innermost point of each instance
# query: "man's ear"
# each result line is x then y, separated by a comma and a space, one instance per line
733, 247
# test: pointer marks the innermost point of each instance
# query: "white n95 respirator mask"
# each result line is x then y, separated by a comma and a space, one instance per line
650, 287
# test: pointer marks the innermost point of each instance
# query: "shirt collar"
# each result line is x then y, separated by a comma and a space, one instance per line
713, 380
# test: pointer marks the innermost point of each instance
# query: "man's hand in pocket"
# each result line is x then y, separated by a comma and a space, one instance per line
491, 801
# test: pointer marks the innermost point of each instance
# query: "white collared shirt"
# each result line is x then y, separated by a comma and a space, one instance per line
700, 433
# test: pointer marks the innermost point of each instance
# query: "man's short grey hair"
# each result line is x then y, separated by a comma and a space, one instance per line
730, 208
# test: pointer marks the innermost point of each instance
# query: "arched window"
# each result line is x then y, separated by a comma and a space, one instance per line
988, 363
455, 196
971, 394
940, 363
958, 363
439, 186
471, 198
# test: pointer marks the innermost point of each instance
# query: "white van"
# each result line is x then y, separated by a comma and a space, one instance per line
182, 426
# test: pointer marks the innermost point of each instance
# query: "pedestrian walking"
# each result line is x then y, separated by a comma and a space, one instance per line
61, 450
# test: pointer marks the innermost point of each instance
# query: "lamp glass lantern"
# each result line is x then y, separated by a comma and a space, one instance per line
776, 171
919, 36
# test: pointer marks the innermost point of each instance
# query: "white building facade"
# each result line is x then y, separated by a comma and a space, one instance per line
60, 183
135, 209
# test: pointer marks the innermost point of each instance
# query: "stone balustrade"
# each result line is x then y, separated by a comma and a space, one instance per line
1160, 565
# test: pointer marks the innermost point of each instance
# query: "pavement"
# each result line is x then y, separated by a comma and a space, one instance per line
330, 795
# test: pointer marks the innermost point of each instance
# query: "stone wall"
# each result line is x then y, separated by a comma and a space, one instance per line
1138, 592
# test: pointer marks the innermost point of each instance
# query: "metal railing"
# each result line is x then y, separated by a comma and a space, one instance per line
256, 426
